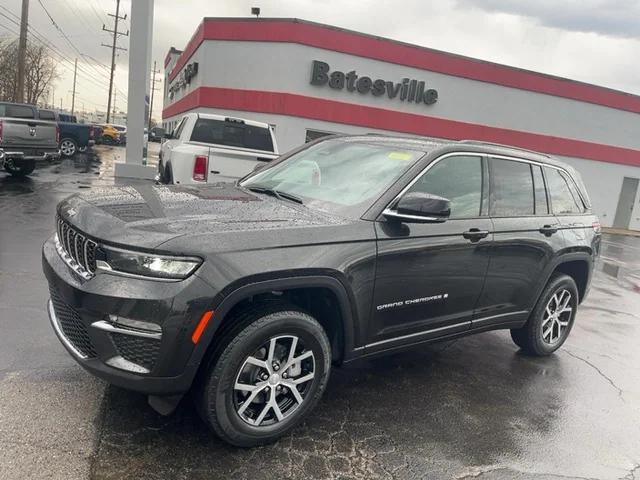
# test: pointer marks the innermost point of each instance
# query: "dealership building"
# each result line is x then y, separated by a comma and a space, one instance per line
308, 80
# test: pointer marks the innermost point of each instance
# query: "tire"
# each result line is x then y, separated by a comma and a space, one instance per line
68, 147
222, 406
545, 331
25, 167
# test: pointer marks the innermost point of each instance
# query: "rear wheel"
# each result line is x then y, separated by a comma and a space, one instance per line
19, 168
551, 320
267, 378
68, 147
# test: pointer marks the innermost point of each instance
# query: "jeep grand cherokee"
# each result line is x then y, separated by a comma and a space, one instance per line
348, 247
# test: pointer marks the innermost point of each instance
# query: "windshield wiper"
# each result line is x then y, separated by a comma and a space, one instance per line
276, 193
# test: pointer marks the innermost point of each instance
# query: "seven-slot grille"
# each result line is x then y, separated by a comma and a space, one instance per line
81, 249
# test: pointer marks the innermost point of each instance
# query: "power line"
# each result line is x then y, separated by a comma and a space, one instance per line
90, 76
87, 75
43, 41
64, 35
102, 17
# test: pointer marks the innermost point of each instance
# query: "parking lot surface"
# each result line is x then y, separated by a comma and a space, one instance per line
473, 408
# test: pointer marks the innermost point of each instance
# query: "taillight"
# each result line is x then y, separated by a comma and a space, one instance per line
91, 132
57, 134
200, 168
596, 227
0, 131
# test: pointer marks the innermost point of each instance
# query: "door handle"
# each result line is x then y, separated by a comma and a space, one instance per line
548, 230
475, 234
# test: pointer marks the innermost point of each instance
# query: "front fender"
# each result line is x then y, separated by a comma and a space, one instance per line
242, 290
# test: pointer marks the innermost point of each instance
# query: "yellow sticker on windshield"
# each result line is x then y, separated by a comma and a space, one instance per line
399, 156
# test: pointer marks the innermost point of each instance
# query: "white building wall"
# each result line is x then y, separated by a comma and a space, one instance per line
286, 68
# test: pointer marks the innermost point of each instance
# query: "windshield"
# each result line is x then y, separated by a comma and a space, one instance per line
337, 176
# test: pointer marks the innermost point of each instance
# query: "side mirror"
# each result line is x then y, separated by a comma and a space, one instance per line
417, 207
167, 136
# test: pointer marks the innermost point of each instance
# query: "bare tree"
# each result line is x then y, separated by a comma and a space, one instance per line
40, 72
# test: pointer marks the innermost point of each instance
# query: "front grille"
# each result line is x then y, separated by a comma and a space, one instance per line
139, 350
72, 326
78, 248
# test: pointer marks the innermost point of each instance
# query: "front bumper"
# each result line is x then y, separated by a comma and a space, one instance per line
82, 312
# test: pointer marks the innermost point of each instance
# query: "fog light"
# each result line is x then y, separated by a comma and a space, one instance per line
135, 324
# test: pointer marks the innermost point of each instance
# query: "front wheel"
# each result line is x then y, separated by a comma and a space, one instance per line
552, 318
68, 147
22, 169
268, 378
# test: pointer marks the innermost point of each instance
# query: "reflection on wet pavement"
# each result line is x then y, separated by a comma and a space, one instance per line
474, 408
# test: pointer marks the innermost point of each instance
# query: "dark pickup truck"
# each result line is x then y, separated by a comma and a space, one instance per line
74, 137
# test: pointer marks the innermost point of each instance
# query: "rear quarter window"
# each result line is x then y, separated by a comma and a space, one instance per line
563, 193
47, 115
232, 134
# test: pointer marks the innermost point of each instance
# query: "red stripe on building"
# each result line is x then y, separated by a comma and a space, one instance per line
362, 45
279, 103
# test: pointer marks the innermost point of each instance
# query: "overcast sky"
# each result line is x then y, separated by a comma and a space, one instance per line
595, 41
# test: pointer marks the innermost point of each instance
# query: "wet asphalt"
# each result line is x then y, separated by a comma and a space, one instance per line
473, 408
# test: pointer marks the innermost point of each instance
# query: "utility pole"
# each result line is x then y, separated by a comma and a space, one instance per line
22, 51
73, 95
153, 89
114, 107
113, 48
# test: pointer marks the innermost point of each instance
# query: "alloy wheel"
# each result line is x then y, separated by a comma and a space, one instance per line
68, 148
557, 316
274, 381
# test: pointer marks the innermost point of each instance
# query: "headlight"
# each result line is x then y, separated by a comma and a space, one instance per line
148, 264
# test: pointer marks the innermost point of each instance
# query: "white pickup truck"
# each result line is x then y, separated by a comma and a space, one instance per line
207, 148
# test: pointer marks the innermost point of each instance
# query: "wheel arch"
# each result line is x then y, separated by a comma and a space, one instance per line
70, 136
578, 266
316, 288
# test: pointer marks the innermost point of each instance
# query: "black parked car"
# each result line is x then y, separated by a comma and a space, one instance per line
156, 134
349, 247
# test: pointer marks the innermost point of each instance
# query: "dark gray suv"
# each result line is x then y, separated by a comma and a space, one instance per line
348, 247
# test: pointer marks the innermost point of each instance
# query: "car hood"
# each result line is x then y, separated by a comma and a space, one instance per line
149, 215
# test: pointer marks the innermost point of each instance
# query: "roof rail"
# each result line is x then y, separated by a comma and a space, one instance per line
480, 142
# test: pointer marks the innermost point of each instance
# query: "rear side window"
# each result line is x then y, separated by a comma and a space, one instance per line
457, 178
563, 199
17, 111
47, 115
232, 134
512, 191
